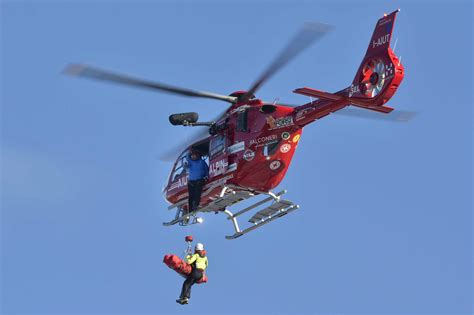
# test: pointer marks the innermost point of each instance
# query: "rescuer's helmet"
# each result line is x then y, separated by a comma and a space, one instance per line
199, 246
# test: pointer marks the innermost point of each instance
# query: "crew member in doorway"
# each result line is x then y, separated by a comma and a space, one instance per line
199, 263
198, 172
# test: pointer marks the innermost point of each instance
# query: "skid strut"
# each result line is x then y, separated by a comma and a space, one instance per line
275, 208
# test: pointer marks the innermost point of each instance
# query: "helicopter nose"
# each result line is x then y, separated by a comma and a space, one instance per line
164, 191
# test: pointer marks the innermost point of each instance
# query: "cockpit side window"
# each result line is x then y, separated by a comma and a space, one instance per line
270, 148
242, 121
179, 168
217, 146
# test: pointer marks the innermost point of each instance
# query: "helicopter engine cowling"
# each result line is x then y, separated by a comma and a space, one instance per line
183, 118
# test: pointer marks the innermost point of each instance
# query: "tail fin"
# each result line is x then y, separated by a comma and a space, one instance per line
382, 35
380, 72
378, 77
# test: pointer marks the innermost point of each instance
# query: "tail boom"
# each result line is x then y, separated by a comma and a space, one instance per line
342, 98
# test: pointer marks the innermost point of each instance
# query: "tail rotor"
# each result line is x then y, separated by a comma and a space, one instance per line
373, 78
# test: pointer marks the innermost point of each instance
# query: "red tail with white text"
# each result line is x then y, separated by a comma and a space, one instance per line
378, 76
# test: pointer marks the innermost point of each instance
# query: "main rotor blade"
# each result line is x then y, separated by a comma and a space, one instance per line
171, 154
302, 40
104, 75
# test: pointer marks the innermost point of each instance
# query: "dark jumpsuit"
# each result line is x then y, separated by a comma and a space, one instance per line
198, 170
198, 264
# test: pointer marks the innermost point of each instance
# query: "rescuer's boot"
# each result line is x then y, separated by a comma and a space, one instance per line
182, 301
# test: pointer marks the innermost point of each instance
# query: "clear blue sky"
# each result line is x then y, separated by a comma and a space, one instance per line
385, 224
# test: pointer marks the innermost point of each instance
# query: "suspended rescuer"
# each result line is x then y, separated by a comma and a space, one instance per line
199, 263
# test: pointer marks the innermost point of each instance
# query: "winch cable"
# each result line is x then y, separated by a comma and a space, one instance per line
188, 228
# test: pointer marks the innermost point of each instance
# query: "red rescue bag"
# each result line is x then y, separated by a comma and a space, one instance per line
181, 267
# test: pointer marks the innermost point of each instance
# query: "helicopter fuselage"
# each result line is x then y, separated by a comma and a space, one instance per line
252, 150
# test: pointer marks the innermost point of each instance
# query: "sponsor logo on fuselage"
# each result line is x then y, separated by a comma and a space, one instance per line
239, 109
285, 135
232, 168
261, 141
285, 148
353, 89
385, 21
275, 165
249, 155
181, 182
240, 146
279, 122
209, 187
218, 167
296, 138
302, 113
388, 69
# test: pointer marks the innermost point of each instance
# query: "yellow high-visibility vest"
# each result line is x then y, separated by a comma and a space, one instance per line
201, 262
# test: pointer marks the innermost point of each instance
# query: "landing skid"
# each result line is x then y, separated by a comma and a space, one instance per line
183, 218
271, 208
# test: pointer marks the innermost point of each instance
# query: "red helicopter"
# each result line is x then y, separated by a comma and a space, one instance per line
250, 146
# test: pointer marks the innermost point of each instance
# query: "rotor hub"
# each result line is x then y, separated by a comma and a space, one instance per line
240, 94
374, 78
